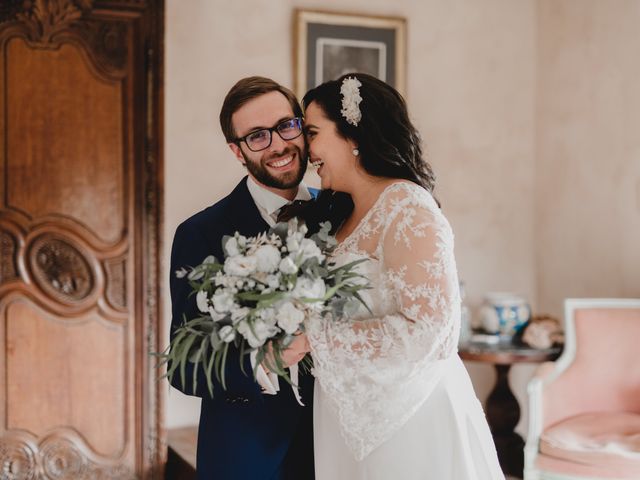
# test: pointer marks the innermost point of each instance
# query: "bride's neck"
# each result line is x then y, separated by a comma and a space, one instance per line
365, 191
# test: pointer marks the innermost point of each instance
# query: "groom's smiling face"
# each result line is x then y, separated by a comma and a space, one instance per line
283, 163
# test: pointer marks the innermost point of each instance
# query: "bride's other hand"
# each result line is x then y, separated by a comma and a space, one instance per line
296, 351
293, 354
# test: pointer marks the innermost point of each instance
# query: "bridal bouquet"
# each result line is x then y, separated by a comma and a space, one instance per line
258, 298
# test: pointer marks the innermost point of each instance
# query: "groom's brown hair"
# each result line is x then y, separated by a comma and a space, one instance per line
245, 90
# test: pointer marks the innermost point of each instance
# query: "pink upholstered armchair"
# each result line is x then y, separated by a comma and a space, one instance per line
584, 409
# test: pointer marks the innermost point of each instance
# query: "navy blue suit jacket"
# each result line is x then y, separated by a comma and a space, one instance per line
243, 433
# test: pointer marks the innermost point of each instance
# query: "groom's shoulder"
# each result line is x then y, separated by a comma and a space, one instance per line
216, 214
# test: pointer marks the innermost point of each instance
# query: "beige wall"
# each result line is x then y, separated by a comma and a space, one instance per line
587, 222
470, 83
529, 111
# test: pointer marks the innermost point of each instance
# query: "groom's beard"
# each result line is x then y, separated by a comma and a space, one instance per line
289, 179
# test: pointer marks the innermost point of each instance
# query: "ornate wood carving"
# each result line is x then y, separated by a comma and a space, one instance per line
7, 257
116, 290
60, 269
55, 459
48, 17
108, 41
9, 9
17, 460
78, 55
44, 19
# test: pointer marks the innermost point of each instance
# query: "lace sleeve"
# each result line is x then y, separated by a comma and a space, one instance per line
419, 273
385, 366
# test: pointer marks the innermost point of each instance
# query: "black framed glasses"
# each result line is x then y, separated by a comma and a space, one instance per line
261, 139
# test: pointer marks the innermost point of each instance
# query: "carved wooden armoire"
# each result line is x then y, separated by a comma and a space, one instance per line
80, 192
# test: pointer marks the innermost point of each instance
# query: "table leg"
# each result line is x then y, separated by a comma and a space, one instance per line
503, 414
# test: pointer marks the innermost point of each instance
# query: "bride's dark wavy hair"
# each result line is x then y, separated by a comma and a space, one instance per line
389, 144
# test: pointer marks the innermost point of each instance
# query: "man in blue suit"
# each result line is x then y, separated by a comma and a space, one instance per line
251, 431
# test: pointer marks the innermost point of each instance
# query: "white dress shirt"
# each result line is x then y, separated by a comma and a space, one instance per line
269, 205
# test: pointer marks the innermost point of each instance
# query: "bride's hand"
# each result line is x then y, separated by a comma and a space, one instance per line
293, 354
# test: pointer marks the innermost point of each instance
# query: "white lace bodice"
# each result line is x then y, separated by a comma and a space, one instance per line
378, 370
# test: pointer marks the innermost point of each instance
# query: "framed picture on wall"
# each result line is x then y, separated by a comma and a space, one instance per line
327, 45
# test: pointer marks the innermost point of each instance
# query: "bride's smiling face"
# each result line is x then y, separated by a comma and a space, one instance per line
331, 153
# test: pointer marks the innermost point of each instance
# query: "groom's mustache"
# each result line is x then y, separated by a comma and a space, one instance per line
288, 150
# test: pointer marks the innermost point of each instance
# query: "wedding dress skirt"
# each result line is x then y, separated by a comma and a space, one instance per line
393, 399
446, 439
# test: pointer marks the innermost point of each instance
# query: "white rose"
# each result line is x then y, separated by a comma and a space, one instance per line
215, 316
289, 318
240, 265
202, 302
308, 288
231, 247
288, 266
293, 243
268, 315
309, 249
273, 281
223, 301
239, 314
257, 334
227, 334
268, 258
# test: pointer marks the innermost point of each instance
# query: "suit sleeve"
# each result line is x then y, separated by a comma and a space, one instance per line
190, 247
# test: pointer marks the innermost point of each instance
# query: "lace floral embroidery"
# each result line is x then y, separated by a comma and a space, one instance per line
378, 370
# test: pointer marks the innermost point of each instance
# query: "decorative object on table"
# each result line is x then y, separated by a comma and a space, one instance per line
542, 331
328, 45
504, 314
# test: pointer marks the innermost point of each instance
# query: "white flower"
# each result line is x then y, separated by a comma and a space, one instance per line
268, 258
309, 288
256, 334
202, 302
240, 265
288, 266
227, 334
309, 249
289, 318
223, 301
268, 315
215, 316
293, 243
294, 237
350, 91
239, 314
231, 247
273, 281
181, 273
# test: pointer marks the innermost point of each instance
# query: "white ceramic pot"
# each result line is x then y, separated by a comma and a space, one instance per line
504, 313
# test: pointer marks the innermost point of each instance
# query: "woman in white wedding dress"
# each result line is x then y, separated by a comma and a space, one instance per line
392, 399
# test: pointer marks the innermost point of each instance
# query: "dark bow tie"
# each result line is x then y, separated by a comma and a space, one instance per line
293, 209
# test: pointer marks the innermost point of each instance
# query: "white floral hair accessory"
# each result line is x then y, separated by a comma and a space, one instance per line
350, 91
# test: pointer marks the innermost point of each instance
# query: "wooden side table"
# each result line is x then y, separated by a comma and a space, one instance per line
503, 411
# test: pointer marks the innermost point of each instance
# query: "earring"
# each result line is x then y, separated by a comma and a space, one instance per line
355, 152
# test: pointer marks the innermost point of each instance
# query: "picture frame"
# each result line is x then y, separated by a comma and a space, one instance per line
330, 44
